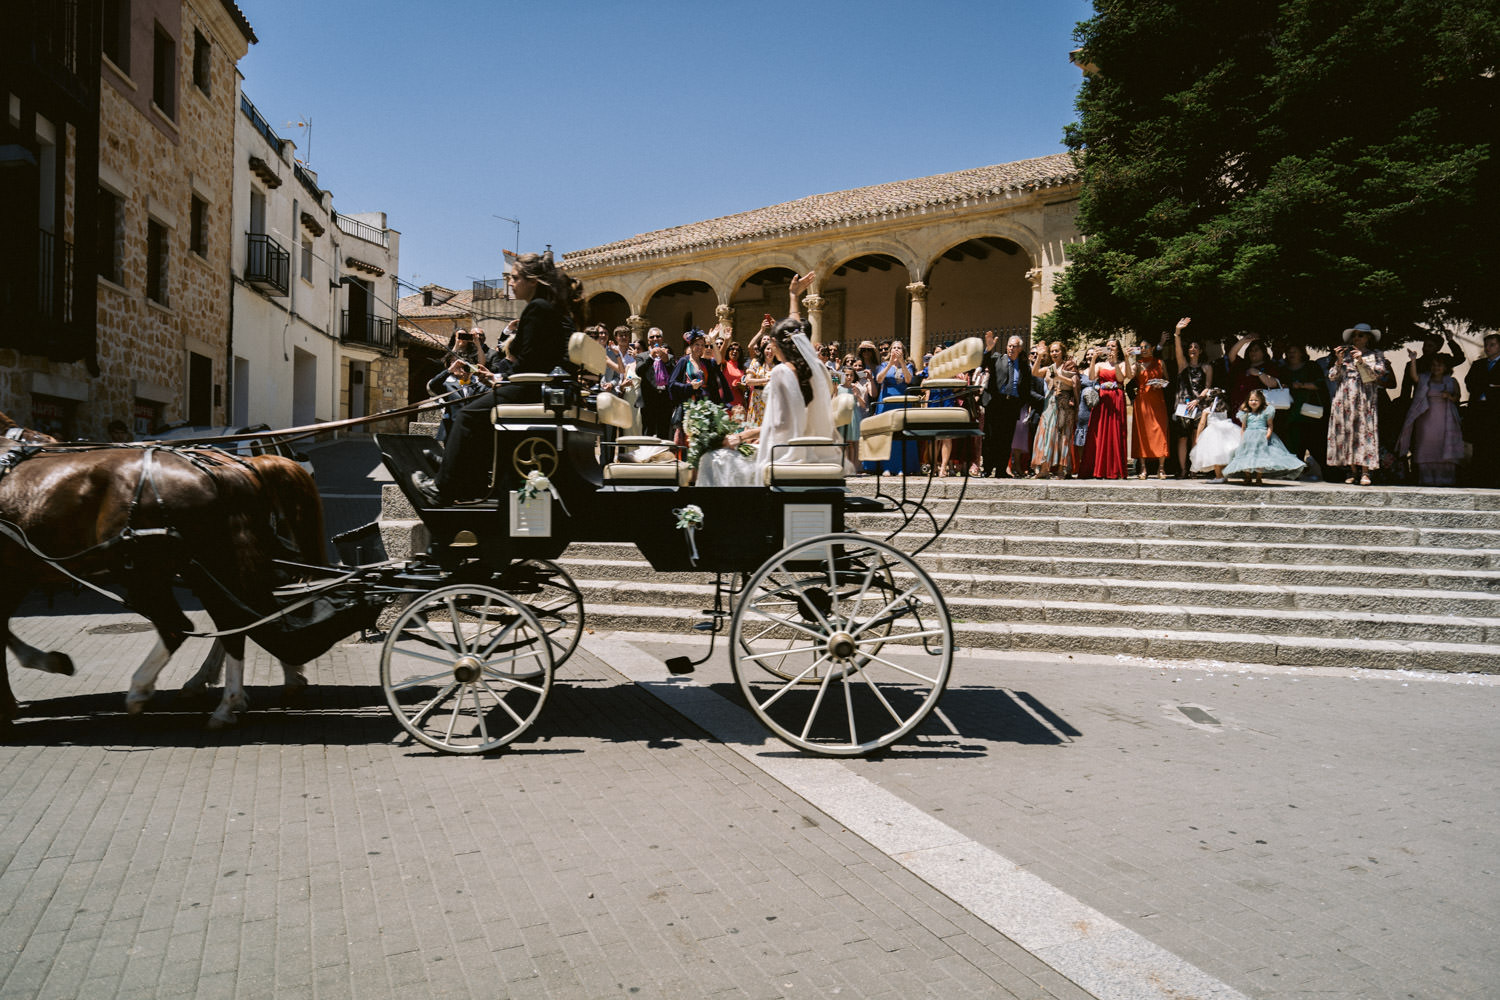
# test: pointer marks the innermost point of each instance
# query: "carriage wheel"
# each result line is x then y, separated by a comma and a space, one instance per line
549, 593
457, 668
874, 649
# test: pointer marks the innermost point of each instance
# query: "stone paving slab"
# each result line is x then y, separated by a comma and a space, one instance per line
616, 852
1325, 832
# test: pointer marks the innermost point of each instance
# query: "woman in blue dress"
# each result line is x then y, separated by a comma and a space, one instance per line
894, 379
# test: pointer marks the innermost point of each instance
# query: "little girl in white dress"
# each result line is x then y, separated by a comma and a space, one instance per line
1218, 437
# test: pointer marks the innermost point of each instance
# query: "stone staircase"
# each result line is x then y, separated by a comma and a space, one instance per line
1296, 574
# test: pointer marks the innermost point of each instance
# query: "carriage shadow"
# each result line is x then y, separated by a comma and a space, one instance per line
576, 713
993, 715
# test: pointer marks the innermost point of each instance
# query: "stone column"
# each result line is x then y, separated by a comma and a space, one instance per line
918, 292
638, 327
1035, 277
724, 313
812, 302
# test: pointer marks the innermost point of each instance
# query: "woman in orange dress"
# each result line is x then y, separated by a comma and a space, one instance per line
1148, 438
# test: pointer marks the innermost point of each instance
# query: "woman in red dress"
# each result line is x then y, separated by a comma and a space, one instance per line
1107, 424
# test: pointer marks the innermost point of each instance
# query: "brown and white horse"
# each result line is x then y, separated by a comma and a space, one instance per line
141, 517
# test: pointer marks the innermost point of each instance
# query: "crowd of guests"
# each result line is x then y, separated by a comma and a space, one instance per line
1160, 407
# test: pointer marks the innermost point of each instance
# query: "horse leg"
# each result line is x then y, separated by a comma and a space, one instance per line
293, 683
209, 672
153, 599
235, 701
143, 681
34, 659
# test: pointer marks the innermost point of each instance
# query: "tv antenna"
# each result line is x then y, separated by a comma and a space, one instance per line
304, 124
514, 222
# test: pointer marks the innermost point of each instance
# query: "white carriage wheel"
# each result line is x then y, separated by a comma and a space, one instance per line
452, 668
874, 631
549, 593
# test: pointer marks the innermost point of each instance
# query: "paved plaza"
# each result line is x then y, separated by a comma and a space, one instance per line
1061, 828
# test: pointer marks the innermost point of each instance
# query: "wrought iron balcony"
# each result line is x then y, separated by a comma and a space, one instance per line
372, 331
267, 265
363, 230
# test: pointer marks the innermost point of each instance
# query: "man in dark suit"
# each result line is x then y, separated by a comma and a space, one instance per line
1010, 385
1482, 422
654, 369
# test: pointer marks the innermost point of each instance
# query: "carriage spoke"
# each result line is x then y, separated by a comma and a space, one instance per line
427, 709
411, 682
817, 702
880, 696
780, 652
500, 700
418, 655
458, 636
898, 636
512, 681
849, 708
864, 588
791, 624
874, 619
458, 703
441, 642
905, 670
793, 682
484, 730
804, 605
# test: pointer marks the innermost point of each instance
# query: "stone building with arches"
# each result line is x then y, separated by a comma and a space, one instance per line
926, 261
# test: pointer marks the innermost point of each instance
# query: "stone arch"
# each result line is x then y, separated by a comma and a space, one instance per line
607, 306
679, 303
940, 239
979, 279
863, 287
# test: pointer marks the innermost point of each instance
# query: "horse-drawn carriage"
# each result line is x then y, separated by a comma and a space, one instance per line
839, 642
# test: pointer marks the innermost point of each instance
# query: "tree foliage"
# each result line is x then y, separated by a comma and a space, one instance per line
1290, 167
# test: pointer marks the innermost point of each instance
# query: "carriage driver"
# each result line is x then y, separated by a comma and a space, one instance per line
540, 344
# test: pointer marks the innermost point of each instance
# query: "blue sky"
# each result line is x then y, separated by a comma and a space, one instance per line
592, 121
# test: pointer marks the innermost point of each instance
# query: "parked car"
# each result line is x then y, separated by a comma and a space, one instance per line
268, 445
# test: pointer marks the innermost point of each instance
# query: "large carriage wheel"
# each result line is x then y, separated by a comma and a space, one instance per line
874, 644
549, 593
466, 668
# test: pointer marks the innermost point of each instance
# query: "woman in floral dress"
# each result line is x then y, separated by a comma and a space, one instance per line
1052, 454
757, 374
1358, 370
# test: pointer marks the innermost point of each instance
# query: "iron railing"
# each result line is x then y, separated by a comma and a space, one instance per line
260, 123
267, 264
54, 298
310, 185
363, 231
371, 330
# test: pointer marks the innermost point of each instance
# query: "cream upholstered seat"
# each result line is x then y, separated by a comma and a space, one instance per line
944, 372
583, 351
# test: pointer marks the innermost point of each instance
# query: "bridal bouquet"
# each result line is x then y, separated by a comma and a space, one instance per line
706, 425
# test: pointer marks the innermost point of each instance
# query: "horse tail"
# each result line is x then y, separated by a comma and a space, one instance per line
294, 499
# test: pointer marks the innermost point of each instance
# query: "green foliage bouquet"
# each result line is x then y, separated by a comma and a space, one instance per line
706, 425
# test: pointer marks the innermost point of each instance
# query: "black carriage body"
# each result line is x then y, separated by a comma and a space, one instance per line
741, 528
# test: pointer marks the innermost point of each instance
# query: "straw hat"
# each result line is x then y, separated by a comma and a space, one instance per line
1361, 328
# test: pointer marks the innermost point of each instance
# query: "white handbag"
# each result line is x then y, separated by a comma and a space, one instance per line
1312, 410
1279, 398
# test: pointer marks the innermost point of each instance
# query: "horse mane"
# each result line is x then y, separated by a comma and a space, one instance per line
293, 497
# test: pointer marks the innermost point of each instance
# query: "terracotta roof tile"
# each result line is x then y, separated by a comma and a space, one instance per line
837, 208
422, 337
445, 302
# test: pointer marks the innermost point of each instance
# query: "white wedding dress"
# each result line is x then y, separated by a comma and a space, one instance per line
786, 418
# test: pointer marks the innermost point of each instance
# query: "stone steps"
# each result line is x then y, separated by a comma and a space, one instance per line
1294, 650
689, 597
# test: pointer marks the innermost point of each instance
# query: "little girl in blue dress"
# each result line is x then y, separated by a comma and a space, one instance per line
1261, 451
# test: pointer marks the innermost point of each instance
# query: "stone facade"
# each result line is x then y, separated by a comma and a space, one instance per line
153, 161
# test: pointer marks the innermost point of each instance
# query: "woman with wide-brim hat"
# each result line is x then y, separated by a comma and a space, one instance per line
1358, 372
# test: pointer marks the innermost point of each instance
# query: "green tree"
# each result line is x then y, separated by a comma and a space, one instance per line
1289, 168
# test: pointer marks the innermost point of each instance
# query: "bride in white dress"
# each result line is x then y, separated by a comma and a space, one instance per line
798, 405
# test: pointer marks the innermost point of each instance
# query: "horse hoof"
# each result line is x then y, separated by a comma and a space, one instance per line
135, 701
294, 692
217, 723
58, 663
